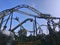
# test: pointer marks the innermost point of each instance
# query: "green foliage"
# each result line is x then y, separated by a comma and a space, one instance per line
51, 39
22, 32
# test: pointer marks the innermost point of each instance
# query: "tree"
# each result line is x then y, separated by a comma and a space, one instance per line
22, 34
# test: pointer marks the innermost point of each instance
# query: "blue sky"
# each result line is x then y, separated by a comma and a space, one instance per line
45, 6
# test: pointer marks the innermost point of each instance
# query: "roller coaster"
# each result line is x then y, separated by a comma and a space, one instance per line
7, 15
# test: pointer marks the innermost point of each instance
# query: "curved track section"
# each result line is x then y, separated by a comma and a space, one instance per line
8, 11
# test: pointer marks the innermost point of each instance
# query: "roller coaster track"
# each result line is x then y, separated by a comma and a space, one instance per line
11, 10
16, 9
21, 24
39, 15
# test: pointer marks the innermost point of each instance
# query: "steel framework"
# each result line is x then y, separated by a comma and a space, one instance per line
9, 13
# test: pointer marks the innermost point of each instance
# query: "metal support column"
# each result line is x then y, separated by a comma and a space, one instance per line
35, 26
